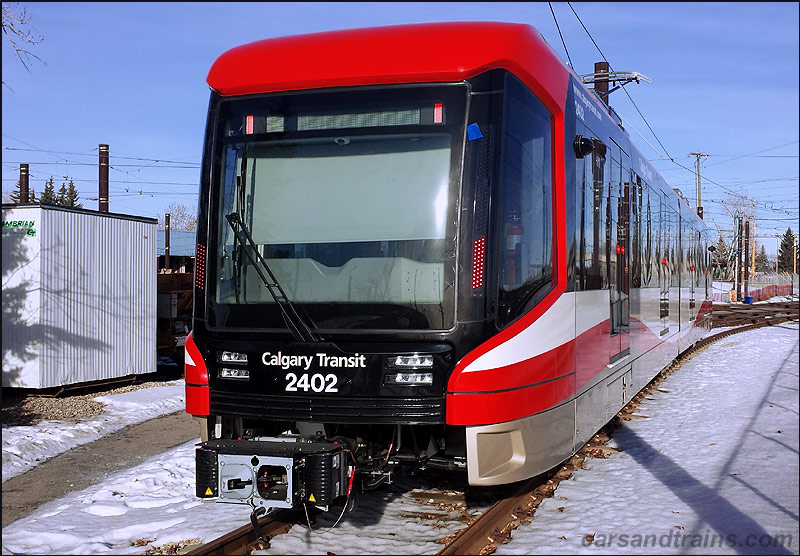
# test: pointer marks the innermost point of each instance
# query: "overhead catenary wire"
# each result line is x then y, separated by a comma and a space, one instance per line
669, 157
623, 87
550, 4
761, 206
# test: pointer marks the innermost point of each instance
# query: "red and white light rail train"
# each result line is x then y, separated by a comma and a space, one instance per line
427, 245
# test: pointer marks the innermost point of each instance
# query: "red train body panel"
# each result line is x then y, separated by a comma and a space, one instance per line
436, 52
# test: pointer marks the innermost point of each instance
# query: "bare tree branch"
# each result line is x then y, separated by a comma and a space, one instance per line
19, 32
181, 217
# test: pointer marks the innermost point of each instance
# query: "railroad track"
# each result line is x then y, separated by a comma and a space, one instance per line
493, 526
739, 314
244, 539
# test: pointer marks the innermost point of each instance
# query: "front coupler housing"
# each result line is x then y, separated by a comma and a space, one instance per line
272, 472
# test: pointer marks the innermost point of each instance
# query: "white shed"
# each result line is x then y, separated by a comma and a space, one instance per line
79, 296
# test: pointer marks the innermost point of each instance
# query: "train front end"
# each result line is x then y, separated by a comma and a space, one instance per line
356, 240
330, 289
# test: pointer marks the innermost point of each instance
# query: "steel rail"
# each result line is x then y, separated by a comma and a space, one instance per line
243, 540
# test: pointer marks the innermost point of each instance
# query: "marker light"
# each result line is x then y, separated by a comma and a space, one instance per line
225, 372
249, 121
411, 362
437, 113
200, 267
478, 261
231, 357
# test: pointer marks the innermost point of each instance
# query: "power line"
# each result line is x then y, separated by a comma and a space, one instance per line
72, 163
116, 182
93, 152
756, 153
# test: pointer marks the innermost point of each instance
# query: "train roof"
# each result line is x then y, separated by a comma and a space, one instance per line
419, 53
400, 54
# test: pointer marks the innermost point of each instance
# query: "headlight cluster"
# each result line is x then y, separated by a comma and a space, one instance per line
408, 369
235, 358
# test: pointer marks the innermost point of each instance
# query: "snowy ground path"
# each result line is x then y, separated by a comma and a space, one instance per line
27, 446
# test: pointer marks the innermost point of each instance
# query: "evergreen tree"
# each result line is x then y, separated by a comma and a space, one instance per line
786, 252
16, 194
61, 200
49, 196
722, 265
762, 261
72, 196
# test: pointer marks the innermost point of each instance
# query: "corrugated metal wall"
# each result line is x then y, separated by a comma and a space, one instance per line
21, 296
97, 318
98, 297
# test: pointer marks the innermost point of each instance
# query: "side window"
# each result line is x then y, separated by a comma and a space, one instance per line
589, 176
647, 237
636, 233
599, 165
526, 205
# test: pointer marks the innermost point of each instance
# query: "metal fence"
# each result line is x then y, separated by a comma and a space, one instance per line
762, 286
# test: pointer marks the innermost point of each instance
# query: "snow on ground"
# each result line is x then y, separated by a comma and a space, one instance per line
153, 501
26, 446
713, 467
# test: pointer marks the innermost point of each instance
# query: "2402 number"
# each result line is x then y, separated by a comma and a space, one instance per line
316, 382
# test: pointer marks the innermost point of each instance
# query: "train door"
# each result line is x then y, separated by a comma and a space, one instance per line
618, 253
694, 241
675, 261
624, 262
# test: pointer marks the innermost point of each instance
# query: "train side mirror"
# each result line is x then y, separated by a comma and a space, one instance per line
583, 146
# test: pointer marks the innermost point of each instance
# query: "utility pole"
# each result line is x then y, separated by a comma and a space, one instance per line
738, 258
23, 183
746, 261
166, 241
753, 248
601, 80
699, 201
103, 179
777, 250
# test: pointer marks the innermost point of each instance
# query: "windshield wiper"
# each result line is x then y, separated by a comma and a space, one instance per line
297, 326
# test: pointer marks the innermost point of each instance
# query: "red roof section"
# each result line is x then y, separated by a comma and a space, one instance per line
419, 53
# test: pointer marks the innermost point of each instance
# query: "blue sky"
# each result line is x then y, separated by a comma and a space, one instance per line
132, 75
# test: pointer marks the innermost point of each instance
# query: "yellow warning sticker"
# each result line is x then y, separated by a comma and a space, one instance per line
311, 498
208, 492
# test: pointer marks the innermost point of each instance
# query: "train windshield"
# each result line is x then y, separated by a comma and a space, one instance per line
349, 200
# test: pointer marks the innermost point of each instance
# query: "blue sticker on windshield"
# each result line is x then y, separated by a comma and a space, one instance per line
473, 132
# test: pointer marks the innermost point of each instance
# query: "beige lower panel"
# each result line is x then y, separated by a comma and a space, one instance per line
516, 450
